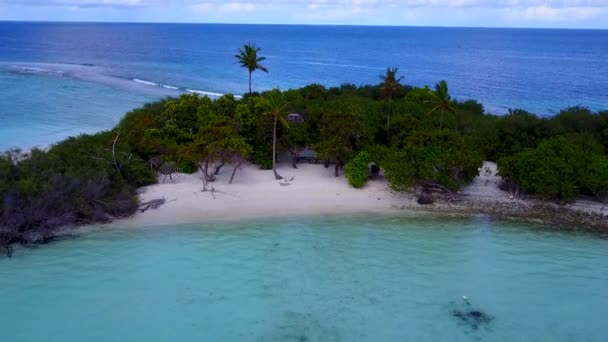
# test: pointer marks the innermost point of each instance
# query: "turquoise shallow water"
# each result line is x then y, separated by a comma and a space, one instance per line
309, 279
38, 111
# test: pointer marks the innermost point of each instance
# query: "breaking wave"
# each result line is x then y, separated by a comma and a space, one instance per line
92, 73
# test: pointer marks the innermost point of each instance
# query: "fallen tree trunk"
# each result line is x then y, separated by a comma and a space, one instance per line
153, 204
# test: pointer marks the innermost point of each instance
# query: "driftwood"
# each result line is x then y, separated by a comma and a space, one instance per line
213, 191
153, 204
428, 193
434, 188
425, 199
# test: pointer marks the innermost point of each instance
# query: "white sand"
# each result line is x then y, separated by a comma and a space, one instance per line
314, 191
485, 186
255, 193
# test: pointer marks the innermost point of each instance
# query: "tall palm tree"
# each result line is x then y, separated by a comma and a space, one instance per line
248, 58
390, 84
441, 100
277, 107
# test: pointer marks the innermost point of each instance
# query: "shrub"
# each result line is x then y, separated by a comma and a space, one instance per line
76, 181
438, 156
594, 178
262, 156
356, 170
187, 166
560, 167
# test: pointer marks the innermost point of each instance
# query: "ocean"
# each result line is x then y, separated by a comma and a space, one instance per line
61, 79
329, 279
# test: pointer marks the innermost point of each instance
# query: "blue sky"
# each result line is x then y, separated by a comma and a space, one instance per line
485, 13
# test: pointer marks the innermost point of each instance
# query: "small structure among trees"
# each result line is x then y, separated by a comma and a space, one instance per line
295, 118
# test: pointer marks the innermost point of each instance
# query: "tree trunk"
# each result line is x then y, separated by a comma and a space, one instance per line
204, 176
294, 157
208, 177
388, 119
238, 165
441, 120
218, 168
274, 149
388, 114
249, 82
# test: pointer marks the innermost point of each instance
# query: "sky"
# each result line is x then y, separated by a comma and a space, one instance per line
470, 13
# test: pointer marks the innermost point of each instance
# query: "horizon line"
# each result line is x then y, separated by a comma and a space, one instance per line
285, 24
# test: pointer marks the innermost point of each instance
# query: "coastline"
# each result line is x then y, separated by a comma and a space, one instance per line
314, 190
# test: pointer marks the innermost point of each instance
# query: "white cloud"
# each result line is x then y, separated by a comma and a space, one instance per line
553, 14
509, 4
426, 12
203, 7
235, 7
80, 3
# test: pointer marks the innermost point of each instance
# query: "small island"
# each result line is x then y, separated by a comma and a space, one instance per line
347, 149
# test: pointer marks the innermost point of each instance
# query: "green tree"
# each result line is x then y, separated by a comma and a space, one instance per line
277, 108
295, 139
216, 144
343, 132
390, 84
561, 167
248, 58
441, 157
441, 100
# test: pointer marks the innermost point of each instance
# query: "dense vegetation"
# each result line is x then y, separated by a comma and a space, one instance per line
80, 180
418, 136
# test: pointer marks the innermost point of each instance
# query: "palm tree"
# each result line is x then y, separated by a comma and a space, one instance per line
277, 107
441, 100
390, 84
248, 58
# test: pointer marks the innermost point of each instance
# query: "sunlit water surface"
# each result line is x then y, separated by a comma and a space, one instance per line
309, 279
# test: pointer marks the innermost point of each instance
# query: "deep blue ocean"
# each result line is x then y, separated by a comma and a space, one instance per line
60, 79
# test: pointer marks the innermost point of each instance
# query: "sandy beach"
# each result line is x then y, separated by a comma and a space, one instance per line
256, 194
314, 190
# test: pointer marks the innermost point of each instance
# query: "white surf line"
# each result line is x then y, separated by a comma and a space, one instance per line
146, 82
209, 93
195, 91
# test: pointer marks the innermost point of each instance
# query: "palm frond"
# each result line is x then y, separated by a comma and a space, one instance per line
283, 121
433, 110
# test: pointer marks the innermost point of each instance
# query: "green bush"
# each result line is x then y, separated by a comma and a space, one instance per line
560, 167
262, 156
79, 180
137, 173
437, 156
356, 170
187, 166
594, 178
